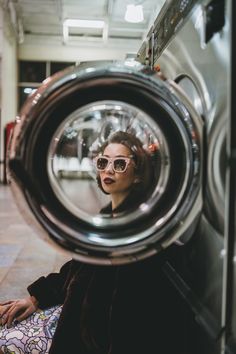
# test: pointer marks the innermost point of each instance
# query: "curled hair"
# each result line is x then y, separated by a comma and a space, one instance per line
141, 158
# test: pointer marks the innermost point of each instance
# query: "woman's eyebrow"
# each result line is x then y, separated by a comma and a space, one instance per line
115, 156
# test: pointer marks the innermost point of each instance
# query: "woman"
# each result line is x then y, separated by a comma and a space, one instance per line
89, 309
124, 171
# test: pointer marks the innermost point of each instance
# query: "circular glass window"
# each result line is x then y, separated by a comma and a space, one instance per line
109, 162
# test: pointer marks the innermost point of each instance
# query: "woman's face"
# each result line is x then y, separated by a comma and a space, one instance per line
117, 182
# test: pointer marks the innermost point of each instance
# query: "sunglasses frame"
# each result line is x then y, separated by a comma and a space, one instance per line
111, 160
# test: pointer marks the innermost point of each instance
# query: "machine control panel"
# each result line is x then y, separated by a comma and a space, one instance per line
172, 16
168, 23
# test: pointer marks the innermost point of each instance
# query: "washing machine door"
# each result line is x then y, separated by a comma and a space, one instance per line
51, 168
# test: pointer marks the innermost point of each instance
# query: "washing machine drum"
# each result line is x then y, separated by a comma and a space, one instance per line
51, 169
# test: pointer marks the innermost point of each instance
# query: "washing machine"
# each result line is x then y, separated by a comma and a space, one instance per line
192, 43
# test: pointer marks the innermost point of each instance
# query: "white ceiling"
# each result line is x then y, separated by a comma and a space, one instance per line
43, 19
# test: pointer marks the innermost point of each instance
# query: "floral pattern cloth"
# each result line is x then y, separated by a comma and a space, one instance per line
32, 335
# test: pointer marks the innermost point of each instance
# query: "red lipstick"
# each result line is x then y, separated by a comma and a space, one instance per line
108, 180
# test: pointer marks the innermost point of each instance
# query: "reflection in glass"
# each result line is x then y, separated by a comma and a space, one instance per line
58, 66
32, 71
24, 92
80, 138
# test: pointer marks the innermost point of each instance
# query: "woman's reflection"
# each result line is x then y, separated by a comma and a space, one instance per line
124, 171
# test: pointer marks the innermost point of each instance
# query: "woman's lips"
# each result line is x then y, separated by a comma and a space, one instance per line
108, 180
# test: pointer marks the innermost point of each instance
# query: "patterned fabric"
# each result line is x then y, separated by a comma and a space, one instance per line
32, 335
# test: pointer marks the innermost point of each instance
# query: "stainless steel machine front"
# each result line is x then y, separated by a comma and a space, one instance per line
192, 43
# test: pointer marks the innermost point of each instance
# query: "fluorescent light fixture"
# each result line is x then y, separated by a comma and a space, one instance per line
134, 13
73, 22
84, 23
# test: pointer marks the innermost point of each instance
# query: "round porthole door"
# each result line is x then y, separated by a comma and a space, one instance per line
58, 135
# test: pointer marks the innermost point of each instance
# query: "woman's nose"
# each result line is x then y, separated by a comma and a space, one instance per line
109, 167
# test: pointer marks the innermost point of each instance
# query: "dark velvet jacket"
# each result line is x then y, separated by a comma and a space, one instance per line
114, 309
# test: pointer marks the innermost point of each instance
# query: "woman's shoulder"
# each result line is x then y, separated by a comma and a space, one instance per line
107, 209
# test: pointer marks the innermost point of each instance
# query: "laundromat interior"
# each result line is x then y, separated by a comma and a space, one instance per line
73, 73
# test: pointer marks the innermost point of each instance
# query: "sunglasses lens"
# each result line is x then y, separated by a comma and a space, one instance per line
102, 163
119, 165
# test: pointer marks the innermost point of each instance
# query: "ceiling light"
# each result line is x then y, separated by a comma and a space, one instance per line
73, 22
84, 23
134, 13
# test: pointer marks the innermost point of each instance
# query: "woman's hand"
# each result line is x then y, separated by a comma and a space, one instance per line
17, 310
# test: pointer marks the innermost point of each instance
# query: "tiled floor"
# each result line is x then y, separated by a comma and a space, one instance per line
23, 255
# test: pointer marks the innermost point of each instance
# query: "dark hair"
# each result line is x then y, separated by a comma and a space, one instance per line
143, 166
